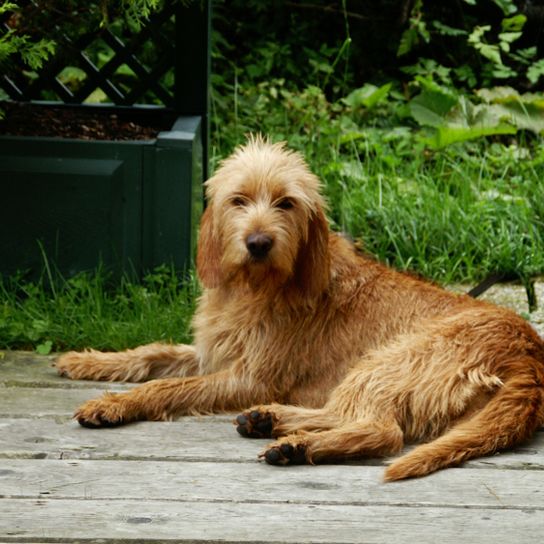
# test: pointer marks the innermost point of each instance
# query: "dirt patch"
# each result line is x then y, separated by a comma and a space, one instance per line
82, 123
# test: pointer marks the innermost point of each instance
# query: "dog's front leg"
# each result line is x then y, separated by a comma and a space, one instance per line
166, 399
133, 365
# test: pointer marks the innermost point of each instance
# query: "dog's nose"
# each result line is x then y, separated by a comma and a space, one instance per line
259, 244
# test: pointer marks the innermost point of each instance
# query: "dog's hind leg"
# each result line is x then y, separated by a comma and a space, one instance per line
133, 365
510, 417
275, 420
370, 438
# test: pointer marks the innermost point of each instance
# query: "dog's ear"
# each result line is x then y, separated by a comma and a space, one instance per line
313, 261
208, 257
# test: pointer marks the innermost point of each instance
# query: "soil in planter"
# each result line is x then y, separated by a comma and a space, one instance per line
24, 119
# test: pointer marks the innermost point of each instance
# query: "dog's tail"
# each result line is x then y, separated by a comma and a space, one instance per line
510, 417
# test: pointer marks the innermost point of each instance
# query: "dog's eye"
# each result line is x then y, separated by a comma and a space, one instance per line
238, 201
285, 204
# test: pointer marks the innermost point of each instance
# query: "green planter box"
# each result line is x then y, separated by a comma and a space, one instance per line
130, 205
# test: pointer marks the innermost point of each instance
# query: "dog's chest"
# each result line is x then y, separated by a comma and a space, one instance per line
240, 333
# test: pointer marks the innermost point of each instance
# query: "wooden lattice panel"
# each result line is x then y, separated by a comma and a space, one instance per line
113, 64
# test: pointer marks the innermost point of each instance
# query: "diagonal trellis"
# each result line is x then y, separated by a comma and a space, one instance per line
147, 80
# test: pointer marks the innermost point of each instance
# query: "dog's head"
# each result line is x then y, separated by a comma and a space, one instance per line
264, 224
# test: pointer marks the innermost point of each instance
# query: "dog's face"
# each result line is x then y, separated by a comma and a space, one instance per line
264, 223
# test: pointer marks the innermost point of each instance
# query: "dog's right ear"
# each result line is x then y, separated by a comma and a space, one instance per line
208, 258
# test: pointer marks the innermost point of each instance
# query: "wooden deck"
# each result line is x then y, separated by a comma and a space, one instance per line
196, 480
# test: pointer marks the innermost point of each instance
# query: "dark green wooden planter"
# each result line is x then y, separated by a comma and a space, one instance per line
131, 205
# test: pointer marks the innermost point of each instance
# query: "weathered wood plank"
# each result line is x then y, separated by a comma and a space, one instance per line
48, 401
21, 368
211, 438
258, 482
190, 439
94, 521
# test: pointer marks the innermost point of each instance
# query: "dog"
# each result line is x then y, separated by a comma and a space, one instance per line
337, 355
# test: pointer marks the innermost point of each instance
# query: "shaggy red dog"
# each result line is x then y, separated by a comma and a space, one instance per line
358, 359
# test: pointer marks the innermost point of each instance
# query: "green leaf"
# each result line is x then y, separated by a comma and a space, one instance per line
466, 73
503, 72
487, 50
523, 56
431, 106
490, 52
509, 37
504, 112
45, 348
35, 54
535, 71
446, 30
446, 135
97, 96
513, 24
523, 116
496, 94
351, 136
524, 111
367, 96
423, 32
475, 36
508, 6
473, 116
508, 94
417, 29
71, 74
8, 6
429, 70
407, 41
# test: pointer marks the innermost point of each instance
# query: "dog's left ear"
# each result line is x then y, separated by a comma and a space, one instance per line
208, 257
313, 273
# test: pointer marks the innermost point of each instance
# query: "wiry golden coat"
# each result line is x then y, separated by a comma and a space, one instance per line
357, 359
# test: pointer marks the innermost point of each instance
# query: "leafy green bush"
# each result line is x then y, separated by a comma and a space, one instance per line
494, 30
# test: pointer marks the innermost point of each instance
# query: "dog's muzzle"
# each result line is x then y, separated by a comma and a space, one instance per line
259, 245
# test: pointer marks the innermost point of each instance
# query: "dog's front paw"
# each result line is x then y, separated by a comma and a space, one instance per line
76, 365
110, 410
254, 423
283, 453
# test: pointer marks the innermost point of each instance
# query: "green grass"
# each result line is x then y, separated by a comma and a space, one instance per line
453, 216
89, 310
